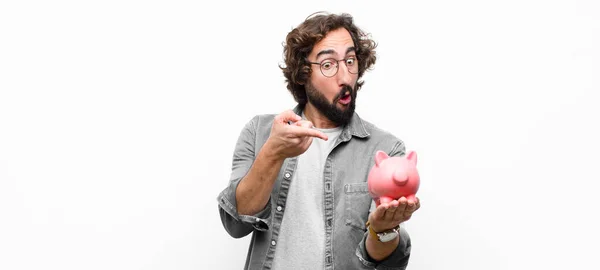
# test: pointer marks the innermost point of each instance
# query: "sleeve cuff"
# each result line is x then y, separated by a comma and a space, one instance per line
397, 260
260, 221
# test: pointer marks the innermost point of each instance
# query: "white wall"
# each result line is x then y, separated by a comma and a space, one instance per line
118, 121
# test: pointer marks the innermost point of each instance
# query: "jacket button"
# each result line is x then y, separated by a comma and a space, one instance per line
279, 208
273, 243
287, 175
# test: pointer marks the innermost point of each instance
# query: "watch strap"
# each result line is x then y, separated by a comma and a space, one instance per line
372, 232
376, 234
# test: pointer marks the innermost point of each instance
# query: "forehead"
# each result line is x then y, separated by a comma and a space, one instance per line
336, 42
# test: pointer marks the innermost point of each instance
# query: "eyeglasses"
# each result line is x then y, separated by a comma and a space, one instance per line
330, 66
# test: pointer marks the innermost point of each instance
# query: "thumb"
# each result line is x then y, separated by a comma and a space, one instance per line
304, 123
288, 116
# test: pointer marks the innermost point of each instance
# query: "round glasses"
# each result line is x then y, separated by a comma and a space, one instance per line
330, 66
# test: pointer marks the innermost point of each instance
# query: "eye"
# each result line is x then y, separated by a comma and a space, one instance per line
326, 65
350, 61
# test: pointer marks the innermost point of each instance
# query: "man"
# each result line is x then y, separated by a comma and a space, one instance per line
299, 179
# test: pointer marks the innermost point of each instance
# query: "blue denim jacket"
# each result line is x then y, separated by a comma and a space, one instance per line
346, 198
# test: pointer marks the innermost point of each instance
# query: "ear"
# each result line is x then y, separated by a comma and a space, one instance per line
412, 156
380, 156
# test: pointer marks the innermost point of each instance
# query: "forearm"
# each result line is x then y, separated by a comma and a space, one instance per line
377, 250
253, 191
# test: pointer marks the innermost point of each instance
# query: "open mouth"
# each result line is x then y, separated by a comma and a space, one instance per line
345, 99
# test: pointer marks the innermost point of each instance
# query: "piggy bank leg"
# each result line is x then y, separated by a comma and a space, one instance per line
385, 200
411, 198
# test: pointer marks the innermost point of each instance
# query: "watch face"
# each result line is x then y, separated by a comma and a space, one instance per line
388, 236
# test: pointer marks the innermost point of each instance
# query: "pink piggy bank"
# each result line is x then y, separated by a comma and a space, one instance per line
393, 177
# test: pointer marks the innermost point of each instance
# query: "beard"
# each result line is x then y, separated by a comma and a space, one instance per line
330, 110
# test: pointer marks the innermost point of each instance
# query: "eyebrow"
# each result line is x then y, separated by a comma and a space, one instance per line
330, 51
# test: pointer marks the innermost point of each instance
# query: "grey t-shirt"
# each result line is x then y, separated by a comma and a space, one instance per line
301, 242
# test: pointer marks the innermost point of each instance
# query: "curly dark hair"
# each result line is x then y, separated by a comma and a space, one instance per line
301, 40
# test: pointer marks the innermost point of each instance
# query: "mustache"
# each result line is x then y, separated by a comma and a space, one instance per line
345, 88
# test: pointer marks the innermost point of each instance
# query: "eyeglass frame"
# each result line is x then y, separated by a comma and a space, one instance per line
337, 64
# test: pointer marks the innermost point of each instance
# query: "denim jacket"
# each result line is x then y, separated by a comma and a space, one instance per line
347, 202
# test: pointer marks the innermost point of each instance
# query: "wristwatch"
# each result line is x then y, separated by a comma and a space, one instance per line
385, 236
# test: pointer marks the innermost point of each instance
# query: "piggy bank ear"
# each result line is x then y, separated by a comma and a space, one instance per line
412, 156
380, 156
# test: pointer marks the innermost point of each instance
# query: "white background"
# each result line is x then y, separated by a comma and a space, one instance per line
118, 121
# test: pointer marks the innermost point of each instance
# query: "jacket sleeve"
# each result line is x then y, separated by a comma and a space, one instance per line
235, 224
401, 255
398, 260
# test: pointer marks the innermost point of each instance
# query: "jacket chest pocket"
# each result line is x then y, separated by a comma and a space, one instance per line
358, 203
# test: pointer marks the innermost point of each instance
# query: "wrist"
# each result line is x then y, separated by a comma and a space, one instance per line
270, 152
384, 235
378, 228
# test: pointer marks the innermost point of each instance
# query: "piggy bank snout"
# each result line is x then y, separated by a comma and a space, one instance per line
400, 178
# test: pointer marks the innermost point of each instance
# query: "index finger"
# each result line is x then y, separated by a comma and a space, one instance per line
380, 211
304, 131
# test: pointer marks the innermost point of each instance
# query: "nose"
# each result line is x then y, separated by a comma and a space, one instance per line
344, 77
400, 177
